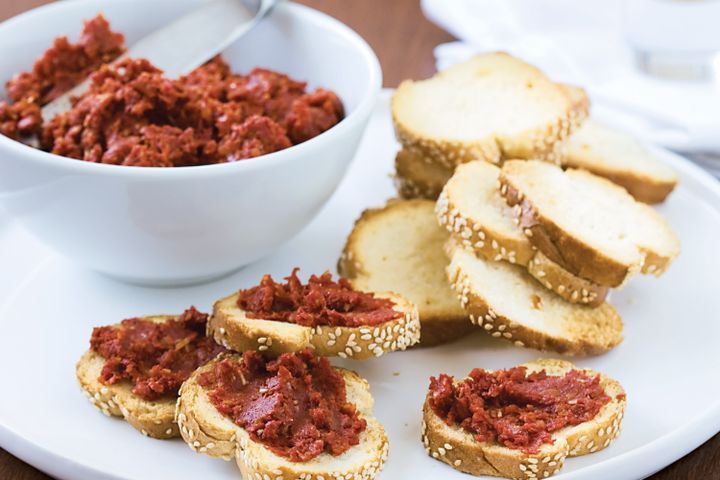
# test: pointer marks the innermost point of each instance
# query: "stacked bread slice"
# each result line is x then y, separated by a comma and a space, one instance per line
495, 107
532, 250
399, 247
620, 158
587, 224
472, 208
528, 229
492, 107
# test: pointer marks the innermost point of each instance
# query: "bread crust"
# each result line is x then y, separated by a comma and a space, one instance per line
459, 449
568, 286
230, 327
419, 177
643, 188
595, 330
573, 255
492, 244
437, 327
578, 98
483, 241
644, 183
154, 419
207, 431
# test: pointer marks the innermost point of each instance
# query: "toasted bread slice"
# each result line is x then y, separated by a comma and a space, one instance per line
419, 177
579, 99
459, 449
587, 224
231, 327
152, 418
506, 302
207, 431
472, 209
400, 247
491, 107
620, 158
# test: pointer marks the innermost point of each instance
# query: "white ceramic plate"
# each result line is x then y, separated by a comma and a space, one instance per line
668, 362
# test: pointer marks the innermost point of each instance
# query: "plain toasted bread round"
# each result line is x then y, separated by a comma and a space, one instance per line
399, 247
472, 209
152, 418
490, 107
587, 224
507, 303
419, 176
207, 431
620, 158
231, 327
459, 449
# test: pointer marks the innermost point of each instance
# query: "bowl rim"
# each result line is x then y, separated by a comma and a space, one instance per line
306, 14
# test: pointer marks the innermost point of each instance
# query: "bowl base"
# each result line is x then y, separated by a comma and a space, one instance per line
170, 282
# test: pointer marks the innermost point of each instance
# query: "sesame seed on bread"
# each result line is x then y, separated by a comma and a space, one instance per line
207, 431
620, 158
400, 246
507, 303
417, 176
458, 448
152, 418
579, 99
587, 224
473, 210
491, 107
232, 328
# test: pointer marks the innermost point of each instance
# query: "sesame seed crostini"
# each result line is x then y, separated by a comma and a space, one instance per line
328, 316
294, 416
530, 419
134, 369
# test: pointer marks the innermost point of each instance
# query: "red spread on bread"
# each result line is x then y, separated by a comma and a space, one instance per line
296, 405
157, 357
132, 115
320, 301
515, 408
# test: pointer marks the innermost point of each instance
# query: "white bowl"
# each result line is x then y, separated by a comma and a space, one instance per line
187, 224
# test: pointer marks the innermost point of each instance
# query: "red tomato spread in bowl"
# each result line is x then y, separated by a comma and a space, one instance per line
320, 301
296, 405
133, 115
515, 408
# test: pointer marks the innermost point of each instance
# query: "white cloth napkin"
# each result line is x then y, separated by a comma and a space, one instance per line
584, 43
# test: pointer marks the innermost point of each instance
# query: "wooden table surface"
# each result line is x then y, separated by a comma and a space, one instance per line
403, 40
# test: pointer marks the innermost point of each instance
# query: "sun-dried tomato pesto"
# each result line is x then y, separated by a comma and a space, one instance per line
132, 115
296, 405
320, 301
156, 357
515, 408
60, 68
